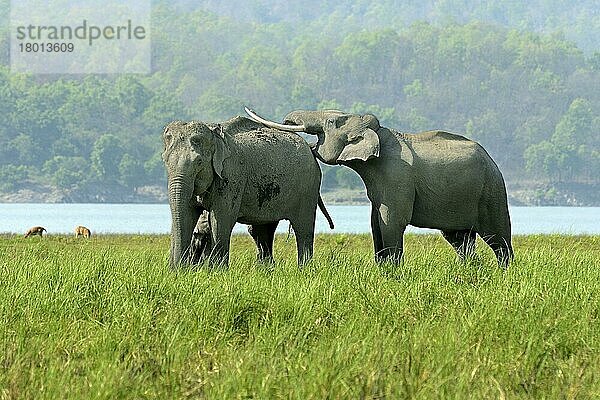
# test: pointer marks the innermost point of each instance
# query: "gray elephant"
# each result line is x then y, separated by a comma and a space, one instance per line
201, 244
263, 235
432, 179
241, 172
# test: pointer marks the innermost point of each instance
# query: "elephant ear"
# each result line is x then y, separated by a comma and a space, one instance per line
221, 151
362, 146
371, 121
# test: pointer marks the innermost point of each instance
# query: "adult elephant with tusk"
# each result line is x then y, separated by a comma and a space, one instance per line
238, 171
432, 179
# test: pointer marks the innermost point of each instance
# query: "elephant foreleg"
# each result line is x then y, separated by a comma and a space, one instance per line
391, 226
463, 242
263, 236
393, 246
376, 232
221, 228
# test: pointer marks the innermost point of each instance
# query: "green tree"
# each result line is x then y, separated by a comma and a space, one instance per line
161, 110
132, 95
155, 170
12, 177
24, 149
106, 157
489, 130
132, 173
575, 126
348, 179
328, 177
65, 147
544, 159
594, 61
572, 133
67, 172
570, 151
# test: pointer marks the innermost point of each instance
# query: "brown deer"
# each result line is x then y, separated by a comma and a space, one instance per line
83, 231
36, 230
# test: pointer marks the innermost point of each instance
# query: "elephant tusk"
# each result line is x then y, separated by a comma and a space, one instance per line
271, 124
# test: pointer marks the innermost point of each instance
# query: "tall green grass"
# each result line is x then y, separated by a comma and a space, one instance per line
107, 318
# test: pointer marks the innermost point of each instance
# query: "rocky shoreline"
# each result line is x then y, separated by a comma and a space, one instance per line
45, 194
571, 194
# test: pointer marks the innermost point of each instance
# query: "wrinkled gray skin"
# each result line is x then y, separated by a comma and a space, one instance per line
240, 171
431, 180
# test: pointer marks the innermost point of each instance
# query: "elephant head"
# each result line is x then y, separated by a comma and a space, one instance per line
194, 154
342, 137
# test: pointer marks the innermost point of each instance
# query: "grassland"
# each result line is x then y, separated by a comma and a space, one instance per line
107, 318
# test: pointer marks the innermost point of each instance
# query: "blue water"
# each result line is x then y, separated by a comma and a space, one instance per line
156, 218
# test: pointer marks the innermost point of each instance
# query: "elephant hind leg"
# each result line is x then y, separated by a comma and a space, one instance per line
501, 245
463, 242
263, 236
304, 229
494, 229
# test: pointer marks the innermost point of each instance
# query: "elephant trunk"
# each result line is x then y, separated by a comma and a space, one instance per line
312, 121
183, 220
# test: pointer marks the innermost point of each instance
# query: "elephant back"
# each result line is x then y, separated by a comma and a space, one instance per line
238, 125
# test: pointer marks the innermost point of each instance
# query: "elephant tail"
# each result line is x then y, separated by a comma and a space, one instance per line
325, 212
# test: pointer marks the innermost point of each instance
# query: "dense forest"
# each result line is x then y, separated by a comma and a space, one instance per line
522, 79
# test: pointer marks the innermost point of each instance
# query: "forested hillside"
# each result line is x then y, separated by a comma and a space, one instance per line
530, 95
578, 20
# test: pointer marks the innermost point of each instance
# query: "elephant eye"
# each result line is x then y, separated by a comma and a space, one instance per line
330, 122
354, 138
196, 140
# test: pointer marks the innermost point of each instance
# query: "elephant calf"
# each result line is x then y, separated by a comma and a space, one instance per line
239, 171
201, 244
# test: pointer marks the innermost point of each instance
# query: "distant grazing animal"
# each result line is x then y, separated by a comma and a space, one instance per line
83, 231
36, 230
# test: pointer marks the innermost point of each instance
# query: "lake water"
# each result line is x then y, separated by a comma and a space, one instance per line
156, 218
